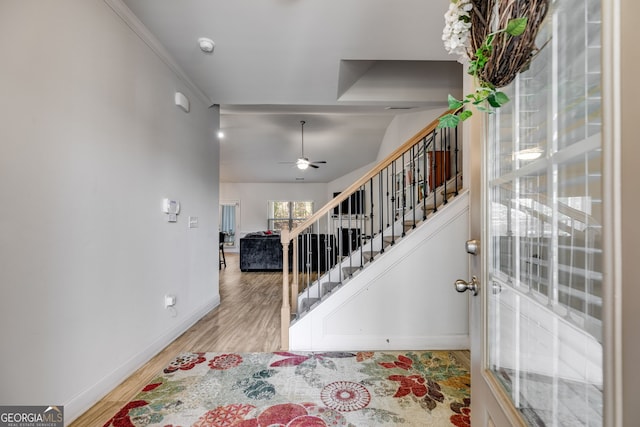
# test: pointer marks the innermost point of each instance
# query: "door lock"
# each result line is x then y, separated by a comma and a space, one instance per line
463, 285
472, 246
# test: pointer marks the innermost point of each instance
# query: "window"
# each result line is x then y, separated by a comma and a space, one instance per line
287, 215
545, 262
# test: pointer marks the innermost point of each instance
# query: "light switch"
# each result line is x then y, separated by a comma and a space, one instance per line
193, 222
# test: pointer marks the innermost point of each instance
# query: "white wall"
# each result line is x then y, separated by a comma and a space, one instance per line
90, 143
253, 198
404, 127
340, 184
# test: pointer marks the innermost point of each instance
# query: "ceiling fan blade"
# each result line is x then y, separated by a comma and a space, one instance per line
313, 166
319, 162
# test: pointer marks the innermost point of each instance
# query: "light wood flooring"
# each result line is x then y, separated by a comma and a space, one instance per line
247, 320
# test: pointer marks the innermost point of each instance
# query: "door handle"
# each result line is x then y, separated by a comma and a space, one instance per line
463, 285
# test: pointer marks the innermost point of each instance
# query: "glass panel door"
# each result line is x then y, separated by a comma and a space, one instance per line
544, 224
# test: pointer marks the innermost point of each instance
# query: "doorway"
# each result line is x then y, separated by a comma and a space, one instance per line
229, 222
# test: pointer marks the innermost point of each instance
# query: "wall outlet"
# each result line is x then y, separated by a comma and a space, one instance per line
169, 301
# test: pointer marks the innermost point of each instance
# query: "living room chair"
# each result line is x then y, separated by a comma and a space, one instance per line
223, 261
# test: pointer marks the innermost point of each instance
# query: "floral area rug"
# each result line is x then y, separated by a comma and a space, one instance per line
289, 389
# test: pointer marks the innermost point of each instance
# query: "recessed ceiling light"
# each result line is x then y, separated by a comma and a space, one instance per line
220, 134
206, 44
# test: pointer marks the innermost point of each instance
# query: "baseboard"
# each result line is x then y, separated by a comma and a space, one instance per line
86, 399
380, 343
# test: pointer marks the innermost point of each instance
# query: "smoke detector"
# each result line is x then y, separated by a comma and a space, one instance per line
206, 45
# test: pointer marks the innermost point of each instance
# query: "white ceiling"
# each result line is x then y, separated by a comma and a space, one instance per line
337, 64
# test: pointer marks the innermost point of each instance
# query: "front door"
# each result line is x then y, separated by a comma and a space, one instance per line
536, 323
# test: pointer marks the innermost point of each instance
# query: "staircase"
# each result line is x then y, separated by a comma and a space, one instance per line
366, 253
368, 220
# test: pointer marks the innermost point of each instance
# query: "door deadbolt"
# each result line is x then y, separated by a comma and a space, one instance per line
463, 285
473, 246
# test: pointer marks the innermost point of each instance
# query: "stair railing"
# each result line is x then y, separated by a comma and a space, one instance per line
374, 212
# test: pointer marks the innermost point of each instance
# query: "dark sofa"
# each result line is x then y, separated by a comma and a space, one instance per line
260, 252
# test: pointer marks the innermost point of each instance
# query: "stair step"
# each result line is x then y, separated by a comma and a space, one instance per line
369, 255
348, 271
329, 286
409, 225
388, 241
306, 303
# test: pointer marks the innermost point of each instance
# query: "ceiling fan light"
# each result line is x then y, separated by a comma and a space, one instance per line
302, 164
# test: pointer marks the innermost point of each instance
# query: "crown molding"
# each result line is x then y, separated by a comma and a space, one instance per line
154, 44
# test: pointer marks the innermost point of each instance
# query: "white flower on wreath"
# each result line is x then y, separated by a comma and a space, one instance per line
457, 29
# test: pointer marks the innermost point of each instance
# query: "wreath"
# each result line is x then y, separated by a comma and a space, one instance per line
496, 38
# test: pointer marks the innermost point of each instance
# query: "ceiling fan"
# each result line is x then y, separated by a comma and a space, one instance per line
303, 162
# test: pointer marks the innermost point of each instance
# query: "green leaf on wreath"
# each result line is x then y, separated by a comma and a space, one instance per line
502, 98
454, 104
491, 99
465, 114
516, 27
448, 121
